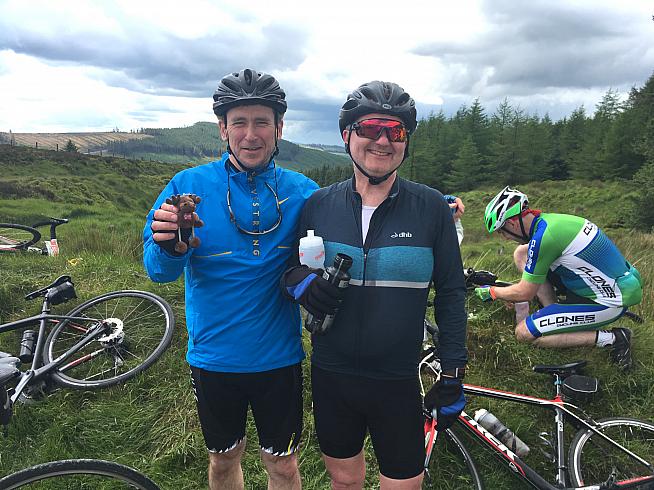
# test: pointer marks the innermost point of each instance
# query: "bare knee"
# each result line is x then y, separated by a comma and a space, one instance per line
522, 333
280, 467
344, 480
414, 483
224, 464
346, 474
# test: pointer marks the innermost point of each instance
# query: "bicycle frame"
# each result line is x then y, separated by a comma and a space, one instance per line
561, 409
38, 369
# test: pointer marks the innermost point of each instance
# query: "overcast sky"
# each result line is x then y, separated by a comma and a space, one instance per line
97, 65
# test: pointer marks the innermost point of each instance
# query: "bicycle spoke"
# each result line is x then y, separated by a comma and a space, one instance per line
137, 327
594, 461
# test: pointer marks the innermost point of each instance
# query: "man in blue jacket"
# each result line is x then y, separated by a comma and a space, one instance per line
401, 237
244, 345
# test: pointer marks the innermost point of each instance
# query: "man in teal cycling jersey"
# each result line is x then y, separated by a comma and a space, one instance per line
244, 337
571, 255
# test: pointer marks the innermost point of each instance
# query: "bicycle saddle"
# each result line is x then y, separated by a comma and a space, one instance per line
561, 369
59, 281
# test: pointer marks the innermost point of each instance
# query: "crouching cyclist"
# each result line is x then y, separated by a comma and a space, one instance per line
568, 255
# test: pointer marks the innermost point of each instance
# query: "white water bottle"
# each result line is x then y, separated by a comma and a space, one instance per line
489, 422
312, 251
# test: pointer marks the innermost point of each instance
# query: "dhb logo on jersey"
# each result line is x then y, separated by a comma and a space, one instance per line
403, 234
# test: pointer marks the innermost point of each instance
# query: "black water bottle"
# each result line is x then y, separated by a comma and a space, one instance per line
26, 353
338, 275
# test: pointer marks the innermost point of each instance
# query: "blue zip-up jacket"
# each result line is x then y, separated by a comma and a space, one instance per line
411, 241
237, 318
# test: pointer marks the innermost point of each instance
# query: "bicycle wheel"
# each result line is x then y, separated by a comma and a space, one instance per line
78, 474
17, 237
451, 466
593, 461
140, 329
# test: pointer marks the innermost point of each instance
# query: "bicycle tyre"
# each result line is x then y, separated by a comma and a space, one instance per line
452, 464
591, 464
147, 331
17, 237
117, 473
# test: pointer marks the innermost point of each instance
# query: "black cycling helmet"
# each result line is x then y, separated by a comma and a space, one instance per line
248, 87
382, 98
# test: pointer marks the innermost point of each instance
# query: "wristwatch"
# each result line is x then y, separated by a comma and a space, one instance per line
456, 373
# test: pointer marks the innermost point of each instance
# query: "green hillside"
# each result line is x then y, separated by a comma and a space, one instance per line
150, 423
198, 143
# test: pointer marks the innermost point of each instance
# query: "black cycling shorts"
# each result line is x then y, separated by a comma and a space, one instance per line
345, 406
275, 398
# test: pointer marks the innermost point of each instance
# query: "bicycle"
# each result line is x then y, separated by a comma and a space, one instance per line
21, 238
102, 342
611, 453
628, 455
80, 474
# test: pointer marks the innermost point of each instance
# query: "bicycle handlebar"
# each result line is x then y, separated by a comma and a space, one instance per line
482, 278
53, 222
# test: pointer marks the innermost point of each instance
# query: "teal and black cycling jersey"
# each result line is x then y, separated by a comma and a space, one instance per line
584, 258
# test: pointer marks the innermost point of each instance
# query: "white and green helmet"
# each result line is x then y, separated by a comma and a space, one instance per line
507, 204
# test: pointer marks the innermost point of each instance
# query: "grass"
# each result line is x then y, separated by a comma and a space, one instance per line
150, 423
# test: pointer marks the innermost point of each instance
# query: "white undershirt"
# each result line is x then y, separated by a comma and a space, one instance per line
366, 214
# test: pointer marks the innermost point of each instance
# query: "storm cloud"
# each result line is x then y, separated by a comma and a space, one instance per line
142, 58
535, 47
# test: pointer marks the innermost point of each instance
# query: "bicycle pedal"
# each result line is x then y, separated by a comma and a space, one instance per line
29, 399
33, 395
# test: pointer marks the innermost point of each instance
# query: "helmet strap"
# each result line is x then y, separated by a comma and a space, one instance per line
371, 178
524, 237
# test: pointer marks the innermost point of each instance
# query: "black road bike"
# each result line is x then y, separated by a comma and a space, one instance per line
102, 342
78, 474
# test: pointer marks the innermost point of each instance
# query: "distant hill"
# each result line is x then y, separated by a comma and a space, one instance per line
198, 143
337, 149
37, 183
85, 142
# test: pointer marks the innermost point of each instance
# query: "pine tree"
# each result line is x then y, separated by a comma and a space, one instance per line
71, 147
468, 169
573, 136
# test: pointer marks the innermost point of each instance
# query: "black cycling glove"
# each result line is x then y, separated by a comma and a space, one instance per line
447, 398
307, 286
169, 245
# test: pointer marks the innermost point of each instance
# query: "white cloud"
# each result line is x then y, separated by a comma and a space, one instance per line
94, 65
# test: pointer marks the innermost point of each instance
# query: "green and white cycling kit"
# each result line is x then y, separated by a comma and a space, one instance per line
588, 264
